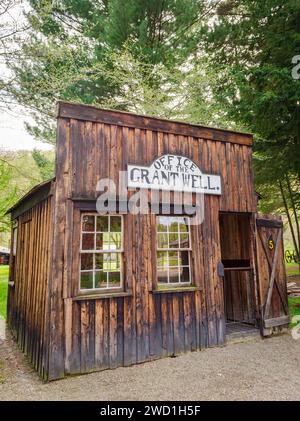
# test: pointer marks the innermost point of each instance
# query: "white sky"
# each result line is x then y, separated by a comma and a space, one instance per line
13, 135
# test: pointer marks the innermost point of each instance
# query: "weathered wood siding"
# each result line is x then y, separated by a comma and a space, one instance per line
28, 295
95, 334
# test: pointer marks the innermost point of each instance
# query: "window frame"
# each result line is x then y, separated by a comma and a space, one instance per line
100, 291
174, 285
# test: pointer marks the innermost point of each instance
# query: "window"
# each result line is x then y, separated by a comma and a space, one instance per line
173, 250
101, 252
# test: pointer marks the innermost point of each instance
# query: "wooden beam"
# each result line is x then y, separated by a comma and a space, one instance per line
277, 321
272, 278
125, 119
268, 223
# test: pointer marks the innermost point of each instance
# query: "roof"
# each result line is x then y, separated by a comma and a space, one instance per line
121, 118
45, 185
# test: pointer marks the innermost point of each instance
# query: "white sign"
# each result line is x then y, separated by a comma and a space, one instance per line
173, 172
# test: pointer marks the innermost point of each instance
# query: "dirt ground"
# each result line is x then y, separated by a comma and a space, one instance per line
256, 369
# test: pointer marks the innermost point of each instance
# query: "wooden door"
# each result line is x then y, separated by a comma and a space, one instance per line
271, 274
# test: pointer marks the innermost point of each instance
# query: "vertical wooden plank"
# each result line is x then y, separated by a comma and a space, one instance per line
56, 345
99, 334
68, 333
120, 332
84, 318
113, 337
164, 323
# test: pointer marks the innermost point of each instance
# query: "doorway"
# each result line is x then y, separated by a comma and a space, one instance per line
239, 303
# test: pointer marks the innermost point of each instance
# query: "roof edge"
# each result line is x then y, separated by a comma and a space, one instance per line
30, 193
92, 113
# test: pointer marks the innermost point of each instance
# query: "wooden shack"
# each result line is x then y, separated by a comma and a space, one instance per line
90, 291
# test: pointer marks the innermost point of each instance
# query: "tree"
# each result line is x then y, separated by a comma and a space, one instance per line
11, 27
251, 44
71, 51
19, 172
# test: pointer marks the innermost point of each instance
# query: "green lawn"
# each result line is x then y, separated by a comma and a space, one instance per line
292, 269
294, 306
3, 290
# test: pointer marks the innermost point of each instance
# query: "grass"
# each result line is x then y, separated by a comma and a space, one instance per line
292, 269
3, 290
294, 307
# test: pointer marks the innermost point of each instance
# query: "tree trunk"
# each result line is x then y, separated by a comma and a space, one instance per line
295, 214
289, 218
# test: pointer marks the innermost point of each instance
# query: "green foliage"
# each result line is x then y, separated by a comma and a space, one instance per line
45, 164
19, 172
253, 44
130, 55
3, 290
294, 307
226, 63
8, 194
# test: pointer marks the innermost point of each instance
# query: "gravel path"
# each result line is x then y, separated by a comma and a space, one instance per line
266, 369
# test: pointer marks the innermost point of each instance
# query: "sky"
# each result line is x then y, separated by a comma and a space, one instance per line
13, 135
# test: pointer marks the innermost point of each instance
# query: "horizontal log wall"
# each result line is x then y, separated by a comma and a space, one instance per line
95, 334
27, 300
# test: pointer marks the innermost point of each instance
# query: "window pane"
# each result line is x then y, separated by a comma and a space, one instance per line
115, 241
173, 258
86, 280
174, 241
114, 279
184, 241
100, 279
162, 276
173, 264
99, 241
174, 225
162, 223
162, 241
87, 242
88, 223
106, 262
99, 261
101, 268
183, 225
162, 259
185, 274
174, 275
102, 241
114, 261
102, 223
86, 261
183, 258
115, 224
